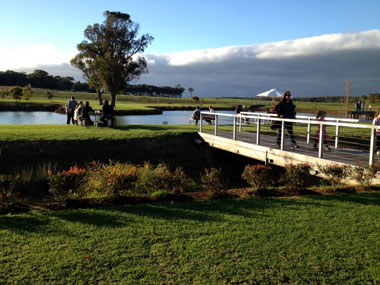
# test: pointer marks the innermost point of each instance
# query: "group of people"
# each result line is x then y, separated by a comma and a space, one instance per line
79, 113
196, 116
287, 109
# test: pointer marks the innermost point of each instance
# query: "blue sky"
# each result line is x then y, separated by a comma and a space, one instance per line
42, 33
179, 25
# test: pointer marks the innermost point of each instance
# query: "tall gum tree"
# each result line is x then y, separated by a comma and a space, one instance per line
108, 57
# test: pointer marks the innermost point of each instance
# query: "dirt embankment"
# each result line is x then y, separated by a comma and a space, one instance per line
174, 151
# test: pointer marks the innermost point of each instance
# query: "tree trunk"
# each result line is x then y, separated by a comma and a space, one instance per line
100, 92
113, 99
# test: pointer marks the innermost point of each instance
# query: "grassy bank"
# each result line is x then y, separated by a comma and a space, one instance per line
312, 240
77, 133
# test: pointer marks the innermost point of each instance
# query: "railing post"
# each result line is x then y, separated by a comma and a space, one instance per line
282, 134
258, 132
240, 123
200, 123
234, 129
216, 125
308, 132
372, 147
337, 134
320, 146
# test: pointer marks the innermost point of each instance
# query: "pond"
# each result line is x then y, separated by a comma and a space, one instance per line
167, 117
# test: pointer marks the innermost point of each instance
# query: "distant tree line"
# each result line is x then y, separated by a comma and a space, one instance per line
150, 90
42, 79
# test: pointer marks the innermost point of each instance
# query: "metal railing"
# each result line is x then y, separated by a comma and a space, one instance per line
259, 118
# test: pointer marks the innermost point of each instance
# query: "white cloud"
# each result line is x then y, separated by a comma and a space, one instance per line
32, 55
307, 46
315, 66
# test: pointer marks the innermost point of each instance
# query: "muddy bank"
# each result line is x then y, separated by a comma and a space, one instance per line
175, 151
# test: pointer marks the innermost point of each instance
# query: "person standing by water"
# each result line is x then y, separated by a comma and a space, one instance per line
70, 107
286, 109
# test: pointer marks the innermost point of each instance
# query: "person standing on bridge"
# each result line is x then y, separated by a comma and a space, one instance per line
376, 122
287, 110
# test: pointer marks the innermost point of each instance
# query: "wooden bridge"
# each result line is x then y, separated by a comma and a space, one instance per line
256, 140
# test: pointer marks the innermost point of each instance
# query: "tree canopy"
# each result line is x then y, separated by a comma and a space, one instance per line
108, 55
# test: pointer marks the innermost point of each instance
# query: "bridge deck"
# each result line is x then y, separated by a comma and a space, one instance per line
306, 153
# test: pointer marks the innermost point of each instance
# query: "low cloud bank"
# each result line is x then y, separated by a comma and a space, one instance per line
316, 66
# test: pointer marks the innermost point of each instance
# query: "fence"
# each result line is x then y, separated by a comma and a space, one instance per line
258, 121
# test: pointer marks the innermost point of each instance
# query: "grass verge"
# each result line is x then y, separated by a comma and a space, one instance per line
311, 240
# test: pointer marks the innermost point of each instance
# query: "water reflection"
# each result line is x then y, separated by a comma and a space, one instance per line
20, 117
167, 117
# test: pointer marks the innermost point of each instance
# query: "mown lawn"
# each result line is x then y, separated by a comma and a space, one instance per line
310, 240
72, 132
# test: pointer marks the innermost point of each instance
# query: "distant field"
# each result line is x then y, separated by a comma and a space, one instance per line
311, 240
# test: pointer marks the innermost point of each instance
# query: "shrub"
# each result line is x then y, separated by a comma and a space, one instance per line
151, 179
27, 92
212, 180
16, 92
67, 184
364, 175
258, 176
49, 95
113, 179
7, 186
297, 177
335, 173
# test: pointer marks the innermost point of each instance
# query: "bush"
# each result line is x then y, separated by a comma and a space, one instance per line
113, 179
121, 179
7, 187
258, 176
16, 92
151, 179
27, 92
297, 177
364, 175
212, 181
67, 184
335, 173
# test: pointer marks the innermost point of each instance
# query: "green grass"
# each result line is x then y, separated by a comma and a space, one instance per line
72, 132
311, 240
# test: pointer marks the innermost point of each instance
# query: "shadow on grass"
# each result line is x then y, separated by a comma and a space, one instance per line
205, 211
145, 127
368, 199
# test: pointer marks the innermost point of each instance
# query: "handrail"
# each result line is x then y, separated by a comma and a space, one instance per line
300, 116
337, 122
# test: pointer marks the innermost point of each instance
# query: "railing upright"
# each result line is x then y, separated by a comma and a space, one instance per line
240, 123
234, 129
216, 125
308, 131
320, 146
372, 147
282, 134
337, 134
258, 132
200, 123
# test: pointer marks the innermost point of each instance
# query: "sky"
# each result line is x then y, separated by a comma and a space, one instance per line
229, 48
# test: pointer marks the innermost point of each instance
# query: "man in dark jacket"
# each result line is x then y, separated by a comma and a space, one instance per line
286, 109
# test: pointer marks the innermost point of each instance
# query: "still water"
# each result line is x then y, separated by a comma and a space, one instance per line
21, 117
167, 117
